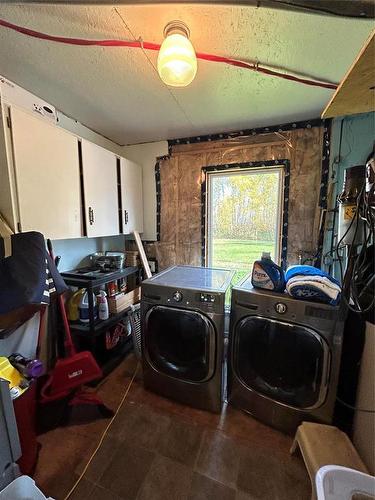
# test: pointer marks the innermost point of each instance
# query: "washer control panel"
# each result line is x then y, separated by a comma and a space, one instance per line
207, 297
202, 300
177, 296
281, 308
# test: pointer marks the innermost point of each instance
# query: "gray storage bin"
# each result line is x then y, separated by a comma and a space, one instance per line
22, 488
10, 450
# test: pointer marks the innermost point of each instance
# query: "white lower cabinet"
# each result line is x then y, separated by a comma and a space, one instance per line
99, 168
131, 196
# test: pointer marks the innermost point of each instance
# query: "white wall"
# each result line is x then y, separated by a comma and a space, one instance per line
75, 253
145, 155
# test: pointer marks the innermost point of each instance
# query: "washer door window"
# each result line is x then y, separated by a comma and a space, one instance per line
180, 343
285, 362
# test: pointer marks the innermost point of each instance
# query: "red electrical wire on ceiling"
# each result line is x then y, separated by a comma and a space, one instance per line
155, 46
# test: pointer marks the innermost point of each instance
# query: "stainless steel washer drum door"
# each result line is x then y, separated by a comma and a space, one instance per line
180, 343
285, 362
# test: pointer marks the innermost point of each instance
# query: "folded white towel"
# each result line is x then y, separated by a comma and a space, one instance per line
319, 282
318, 279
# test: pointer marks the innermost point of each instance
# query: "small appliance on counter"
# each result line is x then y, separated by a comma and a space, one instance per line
108, 260
102, 264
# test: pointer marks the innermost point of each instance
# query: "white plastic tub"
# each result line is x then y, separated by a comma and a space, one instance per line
22, 488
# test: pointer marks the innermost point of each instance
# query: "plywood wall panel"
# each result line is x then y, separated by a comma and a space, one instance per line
166, 255
214, 158
189, 196
169, 200
181, 177
304, 193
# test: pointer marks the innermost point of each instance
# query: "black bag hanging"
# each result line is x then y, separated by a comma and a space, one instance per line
27, 277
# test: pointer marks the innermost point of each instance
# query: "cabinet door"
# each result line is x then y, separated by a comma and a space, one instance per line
131, 196
46, 166
100, 190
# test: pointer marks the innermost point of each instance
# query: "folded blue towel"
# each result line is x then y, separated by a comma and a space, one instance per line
310, 283
308, 271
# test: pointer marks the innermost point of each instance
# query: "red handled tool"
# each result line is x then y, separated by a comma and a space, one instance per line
76, 369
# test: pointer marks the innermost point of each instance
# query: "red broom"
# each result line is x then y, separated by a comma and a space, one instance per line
75, 369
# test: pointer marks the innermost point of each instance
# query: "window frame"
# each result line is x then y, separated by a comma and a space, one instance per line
281, 165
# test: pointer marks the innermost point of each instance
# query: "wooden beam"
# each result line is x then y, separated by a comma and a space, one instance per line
356, 92
142, 254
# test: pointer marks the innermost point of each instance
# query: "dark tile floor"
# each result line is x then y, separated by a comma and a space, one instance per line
156, 449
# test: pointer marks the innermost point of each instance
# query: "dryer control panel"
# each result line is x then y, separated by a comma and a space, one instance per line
207, 297
192, 299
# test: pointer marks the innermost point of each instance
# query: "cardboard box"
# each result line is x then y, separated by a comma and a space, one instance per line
122, 301
132, 258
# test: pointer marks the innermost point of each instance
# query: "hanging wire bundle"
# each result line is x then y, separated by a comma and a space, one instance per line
359, 278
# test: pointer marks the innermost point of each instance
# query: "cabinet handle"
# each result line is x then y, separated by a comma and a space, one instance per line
91, 216
126, 218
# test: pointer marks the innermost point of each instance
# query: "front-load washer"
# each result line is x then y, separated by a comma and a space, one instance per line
182, 319
284, 357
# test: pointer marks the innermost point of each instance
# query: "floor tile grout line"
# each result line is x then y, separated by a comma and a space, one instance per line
199, 451
103, 436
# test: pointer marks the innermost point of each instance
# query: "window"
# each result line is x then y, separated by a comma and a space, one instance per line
244, 216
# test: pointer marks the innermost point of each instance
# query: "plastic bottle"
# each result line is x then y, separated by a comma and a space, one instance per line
103, 305
73, 305
268, 275
84, 308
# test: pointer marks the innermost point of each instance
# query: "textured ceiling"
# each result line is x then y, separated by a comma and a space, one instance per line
117, 92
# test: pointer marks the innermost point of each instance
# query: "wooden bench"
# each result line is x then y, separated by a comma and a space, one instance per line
325, 445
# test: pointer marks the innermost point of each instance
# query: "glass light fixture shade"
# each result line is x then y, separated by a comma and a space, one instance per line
177, 62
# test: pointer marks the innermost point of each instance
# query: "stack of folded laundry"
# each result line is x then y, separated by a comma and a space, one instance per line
310, 283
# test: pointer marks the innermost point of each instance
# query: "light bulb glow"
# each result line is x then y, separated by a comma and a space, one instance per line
177, 62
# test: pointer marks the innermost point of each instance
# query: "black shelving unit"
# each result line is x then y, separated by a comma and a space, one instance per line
91, 335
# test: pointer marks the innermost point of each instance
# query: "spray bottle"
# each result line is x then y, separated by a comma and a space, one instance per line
103, 305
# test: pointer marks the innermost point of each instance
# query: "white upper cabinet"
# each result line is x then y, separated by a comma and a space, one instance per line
99, 168
131, 196
46, 166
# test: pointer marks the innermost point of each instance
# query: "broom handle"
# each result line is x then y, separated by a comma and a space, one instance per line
69, 346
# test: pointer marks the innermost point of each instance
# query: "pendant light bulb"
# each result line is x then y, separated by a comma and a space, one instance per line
177, 62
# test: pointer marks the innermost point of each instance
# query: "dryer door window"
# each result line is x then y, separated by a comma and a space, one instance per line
180, 343
285, 362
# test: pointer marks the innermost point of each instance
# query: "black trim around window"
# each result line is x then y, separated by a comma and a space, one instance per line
284, 127
158, 199
248, 165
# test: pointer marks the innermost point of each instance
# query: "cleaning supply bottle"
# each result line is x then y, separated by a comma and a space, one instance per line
268, 275
103, 305
84, 308
73, 305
